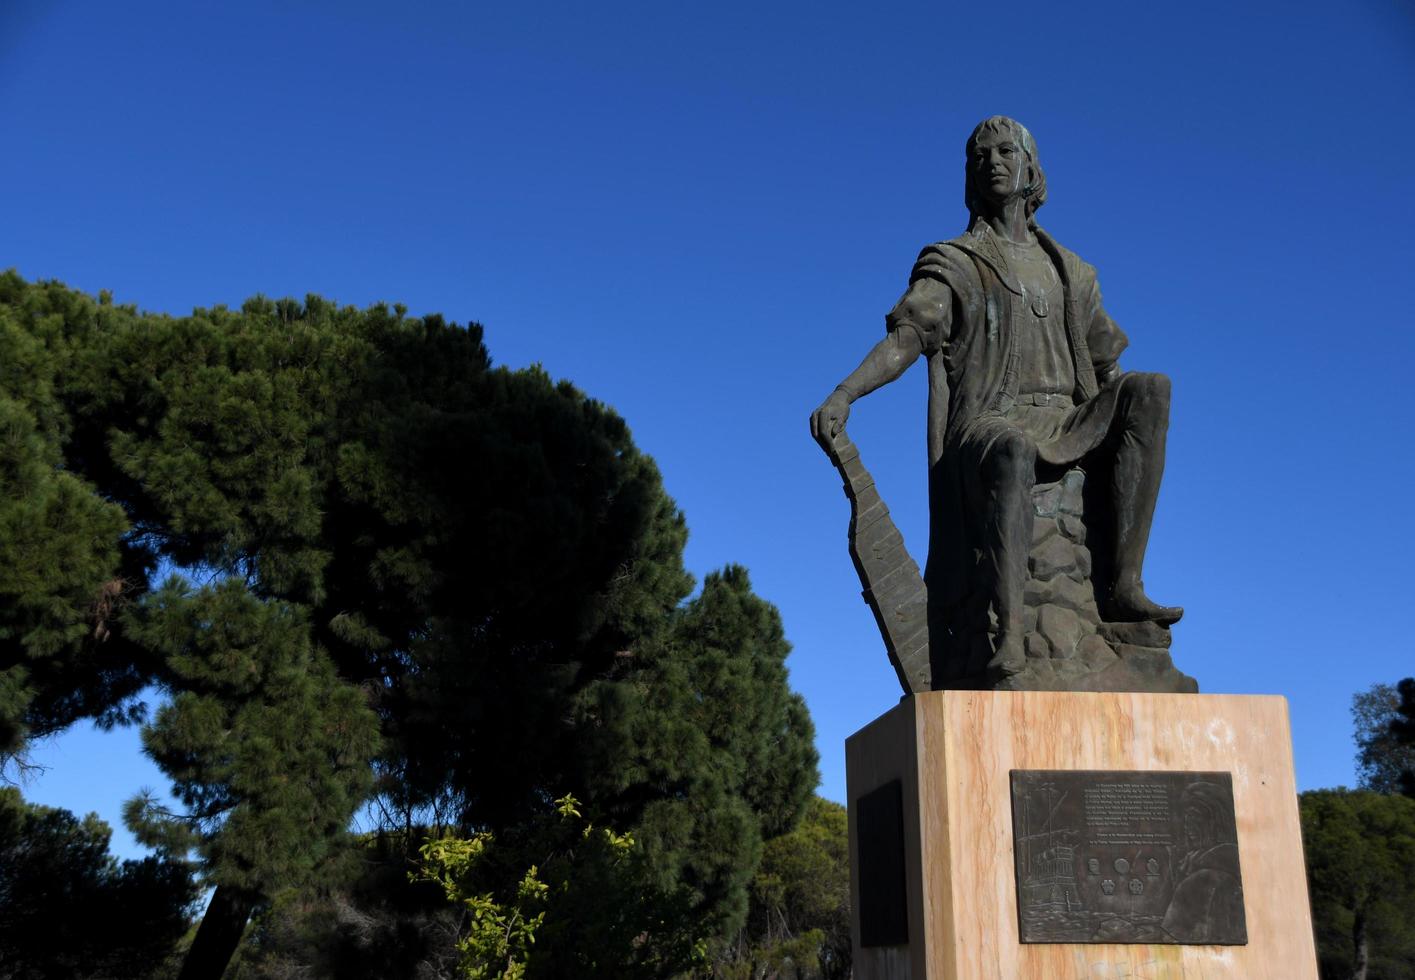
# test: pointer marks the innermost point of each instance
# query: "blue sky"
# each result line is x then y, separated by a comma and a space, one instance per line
700, 214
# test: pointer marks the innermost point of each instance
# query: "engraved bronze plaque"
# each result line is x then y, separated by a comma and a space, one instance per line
1126, 857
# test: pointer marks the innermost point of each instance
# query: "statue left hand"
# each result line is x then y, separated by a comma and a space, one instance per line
828, 421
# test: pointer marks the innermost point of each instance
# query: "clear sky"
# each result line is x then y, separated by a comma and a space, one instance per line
699, 213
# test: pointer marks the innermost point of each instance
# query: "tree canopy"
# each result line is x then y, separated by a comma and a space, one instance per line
1382, 753
799, 923
68, 908
1402, 727
1360, 850
62, 561
358, 559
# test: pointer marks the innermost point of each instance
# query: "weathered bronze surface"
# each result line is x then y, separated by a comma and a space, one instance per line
1126, 857
1045, 459
894, 589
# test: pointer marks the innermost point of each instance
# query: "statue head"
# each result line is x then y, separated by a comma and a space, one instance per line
993, 131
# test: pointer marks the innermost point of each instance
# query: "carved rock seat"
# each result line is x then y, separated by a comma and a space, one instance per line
1069, 644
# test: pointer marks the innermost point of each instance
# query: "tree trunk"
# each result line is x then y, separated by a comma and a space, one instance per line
1358, 942
219, 934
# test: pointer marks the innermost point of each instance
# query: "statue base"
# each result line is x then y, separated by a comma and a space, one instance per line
939, 852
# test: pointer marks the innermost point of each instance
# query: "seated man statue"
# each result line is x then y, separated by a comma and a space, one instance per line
1022, 374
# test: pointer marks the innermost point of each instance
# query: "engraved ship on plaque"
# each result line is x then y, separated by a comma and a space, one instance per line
1048, 882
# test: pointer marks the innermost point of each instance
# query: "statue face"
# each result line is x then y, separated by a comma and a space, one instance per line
999, 166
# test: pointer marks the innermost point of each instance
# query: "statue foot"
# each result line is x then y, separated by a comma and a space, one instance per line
1131, 605
1009, 659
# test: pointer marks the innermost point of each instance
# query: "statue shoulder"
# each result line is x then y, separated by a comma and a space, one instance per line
953, 248
1078, 270
945, 261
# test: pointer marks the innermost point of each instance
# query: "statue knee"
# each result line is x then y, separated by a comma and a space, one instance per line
1152, 389
1012, 460
1148, 408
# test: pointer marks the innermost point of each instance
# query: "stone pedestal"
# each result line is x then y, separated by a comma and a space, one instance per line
933, 867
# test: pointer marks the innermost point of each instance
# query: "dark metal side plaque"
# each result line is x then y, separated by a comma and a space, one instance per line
1126, 857
884, 909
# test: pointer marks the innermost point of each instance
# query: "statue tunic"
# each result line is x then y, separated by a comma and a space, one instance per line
966, 303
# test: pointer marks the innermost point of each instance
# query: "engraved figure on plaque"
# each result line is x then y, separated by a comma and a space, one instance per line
1167, 842
1209, 889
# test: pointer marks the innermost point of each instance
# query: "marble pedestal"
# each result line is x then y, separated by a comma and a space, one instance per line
936, 896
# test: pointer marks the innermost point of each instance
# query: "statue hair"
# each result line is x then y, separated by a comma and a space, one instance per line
1035, 191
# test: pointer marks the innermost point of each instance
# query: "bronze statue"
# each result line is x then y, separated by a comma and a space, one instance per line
1024, 385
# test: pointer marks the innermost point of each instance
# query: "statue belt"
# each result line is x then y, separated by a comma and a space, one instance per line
1055, 400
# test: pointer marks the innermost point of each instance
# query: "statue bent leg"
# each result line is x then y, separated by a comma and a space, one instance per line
1006, 473
1141, 424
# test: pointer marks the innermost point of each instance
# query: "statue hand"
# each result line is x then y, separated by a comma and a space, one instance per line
828, 421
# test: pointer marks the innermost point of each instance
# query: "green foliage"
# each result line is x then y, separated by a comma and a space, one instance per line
1402, 727
558, 554
60, 567
666, 743
68, 908
399, 560
375, 924
499, 937
799, 922
1381, 754
581, 911
699, 746
1360, 850
267, 748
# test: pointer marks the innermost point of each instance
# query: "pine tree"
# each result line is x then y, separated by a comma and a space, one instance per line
1381, 755
395, 561
799, 920
701, 747
1360, 849
1402, 728
68, 908
62, 570
267, 748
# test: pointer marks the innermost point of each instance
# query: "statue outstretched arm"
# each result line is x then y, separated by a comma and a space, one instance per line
916, 320
887, 360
